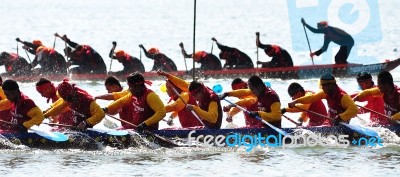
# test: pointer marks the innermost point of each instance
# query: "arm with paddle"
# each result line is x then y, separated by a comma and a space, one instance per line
111, 55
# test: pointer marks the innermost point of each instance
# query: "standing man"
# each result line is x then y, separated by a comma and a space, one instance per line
208, 61
234, 58
280, 57
24, 111
87, 59
161, 61
131, 64
336, 35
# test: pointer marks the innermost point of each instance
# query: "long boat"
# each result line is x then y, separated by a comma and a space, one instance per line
296, 72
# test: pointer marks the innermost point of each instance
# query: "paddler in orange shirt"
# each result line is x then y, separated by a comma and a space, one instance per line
148, 107
295, 90
209, 107
240, 90
115, 92
341, 106
47, 89
87, 112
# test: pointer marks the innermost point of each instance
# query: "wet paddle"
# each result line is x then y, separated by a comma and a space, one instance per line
54, 136
184, 102
114, 43
258, 118
54, 43
308, 41
106, 131
160, 138
291, 120
257, 39
359, 129
376, 112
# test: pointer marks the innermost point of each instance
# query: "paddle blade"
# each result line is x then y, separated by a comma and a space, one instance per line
54, 136
362, 130
110, 131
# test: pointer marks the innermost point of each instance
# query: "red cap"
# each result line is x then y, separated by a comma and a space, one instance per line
65, 89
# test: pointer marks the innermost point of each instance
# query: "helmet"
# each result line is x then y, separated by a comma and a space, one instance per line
65, 89
198, 55
37, 42
119, 53
153, 50
39, 49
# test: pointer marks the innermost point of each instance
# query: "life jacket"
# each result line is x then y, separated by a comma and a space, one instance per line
377, 104
266, 100
142, 110
186, 118
205, 102
392, 101
334, 103
19, 111
81, 106
318, 107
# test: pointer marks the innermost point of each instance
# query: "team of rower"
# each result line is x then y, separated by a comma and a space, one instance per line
198, 106
88, 61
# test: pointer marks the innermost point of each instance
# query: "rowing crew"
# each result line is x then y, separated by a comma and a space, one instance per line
195, 104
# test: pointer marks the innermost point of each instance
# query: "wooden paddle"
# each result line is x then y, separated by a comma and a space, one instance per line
308, 41
359, 129
108, 132
257, 39
259, 118
114, 43
160, 138
291, 120
54, 136
376, 112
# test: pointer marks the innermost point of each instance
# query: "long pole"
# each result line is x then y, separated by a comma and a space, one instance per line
308, 42
194, 39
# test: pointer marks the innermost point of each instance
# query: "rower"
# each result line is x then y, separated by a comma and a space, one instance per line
177, 107
209, 106
341, 106
148, 107
208, 61
335, 35
374, 103
280, 57
87, 112
295, 90
48, 90
5, 115
130, 63
88, 60
161, 61
386, 90
24, 111
240, 90
15, 65
234, 58
115, 92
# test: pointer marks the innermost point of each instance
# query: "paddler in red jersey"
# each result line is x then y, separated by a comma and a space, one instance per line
87, 112
4, 114
130, 63
178, 106
374, 103
295, 90
208, 61
280, 57
15, 65
333, 34
148, 107
248, 101
341, 106
88, 60
161, 61
386, 90
234, 58
209, 107
31, 47
24, 111
48, 90
115, 92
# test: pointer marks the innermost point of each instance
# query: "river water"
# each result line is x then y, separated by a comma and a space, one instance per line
164, 24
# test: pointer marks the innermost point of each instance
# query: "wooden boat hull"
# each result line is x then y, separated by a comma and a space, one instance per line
296, 72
